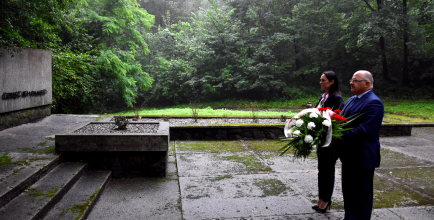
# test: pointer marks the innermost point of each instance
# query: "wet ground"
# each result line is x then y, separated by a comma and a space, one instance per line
244, 179
249, 180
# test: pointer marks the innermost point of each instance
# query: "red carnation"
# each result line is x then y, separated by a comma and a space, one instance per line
338, 117
337, 111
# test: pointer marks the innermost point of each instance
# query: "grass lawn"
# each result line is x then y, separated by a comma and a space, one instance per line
396, 111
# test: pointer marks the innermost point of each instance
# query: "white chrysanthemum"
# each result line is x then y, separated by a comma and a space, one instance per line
313, 115
296, 117
289, 133
313, 146
296, 132
310, 125
308, 139
299, 123
327, 123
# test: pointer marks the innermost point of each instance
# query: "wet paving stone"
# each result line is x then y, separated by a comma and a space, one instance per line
307, 184
209, 146
423, 132
240, 196
265, 145
201, 164
419, 213
419, 147
390, 159
287, 163
377, 214
139, 198
419, 179
389, 194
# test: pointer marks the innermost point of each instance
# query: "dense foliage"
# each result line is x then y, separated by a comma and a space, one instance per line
96, 47
268, 49
110, 54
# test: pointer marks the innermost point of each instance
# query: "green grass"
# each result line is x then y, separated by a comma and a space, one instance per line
234, 103
397, 110
422, 109
204, 112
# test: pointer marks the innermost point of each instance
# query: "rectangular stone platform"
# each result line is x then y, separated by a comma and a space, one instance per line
125, 154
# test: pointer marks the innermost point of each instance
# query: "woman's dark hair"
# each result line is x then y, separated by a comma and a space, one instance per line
332, 76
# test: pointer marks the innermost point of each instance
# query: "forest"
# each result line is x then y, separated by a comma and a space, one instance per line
111, 55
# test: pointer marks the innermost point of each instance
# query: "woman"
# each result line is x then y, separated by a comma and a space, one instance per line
327, 155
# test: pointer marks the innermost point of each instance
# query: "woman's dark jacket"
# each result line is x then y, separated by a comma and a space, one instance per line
334, 101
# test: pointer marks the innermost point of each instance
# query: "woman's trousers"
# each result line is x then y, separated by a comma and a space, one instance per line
327, 157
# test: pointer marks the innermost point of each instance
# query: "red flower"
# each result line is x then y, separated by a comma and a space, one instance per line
324, 109
338, 117
337, 111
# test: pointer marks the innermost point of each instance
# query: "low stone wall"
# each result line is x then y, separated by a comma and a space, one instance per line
402, 129
226, 133
395, 130
10, 119
270, 132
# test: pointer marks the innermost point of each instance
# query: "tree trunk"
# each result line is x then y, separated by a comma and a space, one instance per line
297, 61
383, 49
405, 78
384, 58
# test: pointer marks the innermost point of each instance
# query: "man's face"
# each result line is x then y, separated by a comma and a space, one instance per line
358, 87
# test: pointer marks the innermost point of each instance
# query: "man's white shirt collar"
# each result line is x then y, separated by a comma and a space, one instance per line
361, 95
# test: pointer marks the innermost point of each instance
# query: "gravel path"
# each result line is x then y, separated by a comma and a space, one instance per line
112, 128
152, 128
210, 121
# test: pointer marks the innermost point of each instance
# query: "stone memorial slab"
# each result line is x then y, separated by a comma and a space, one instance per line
140, 150
25, 79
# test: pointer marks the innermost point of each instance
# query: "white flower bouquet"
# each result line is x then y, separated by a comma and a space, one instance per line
312, 128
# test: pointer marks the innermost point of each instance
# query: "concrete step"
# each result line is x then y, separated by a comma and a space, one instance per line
18, 171
39, 198
79, 200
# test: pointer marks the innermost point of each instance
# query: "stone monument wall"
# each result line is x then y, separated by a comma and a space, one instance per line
25, 86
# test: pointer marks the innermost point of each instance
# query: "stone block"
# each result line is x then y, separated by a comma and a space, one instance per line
258, 134
221, 134
125, 154
15, 118
247, 134
25, 80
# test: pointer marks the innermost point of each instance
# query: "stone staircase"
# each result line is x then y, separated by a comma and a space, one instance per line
44, 188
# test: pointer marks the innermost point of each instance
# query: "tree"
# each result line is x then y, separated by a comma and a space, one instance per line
31, 24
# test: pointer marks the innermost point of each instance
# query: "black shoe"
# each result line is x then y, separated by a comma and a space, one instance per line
325, 209
315, 207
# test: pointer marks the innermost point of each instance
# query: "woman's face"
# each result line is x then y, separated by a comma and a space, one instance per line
325, 83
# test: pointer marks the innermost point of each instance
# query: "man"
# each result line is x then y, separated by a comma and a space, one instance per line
359, 148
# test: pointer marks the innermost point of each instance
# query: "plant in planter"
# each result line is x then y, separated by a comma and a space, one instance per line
194, 110
121, 122
225, 117
137, 110
254, 107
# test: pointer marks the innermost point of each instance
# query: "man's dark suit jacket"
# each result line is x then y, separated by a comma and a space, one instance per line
360, 147
334, 101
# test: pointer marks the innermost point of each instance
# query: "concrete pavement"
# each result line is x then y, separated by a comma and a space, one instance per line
244, 179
